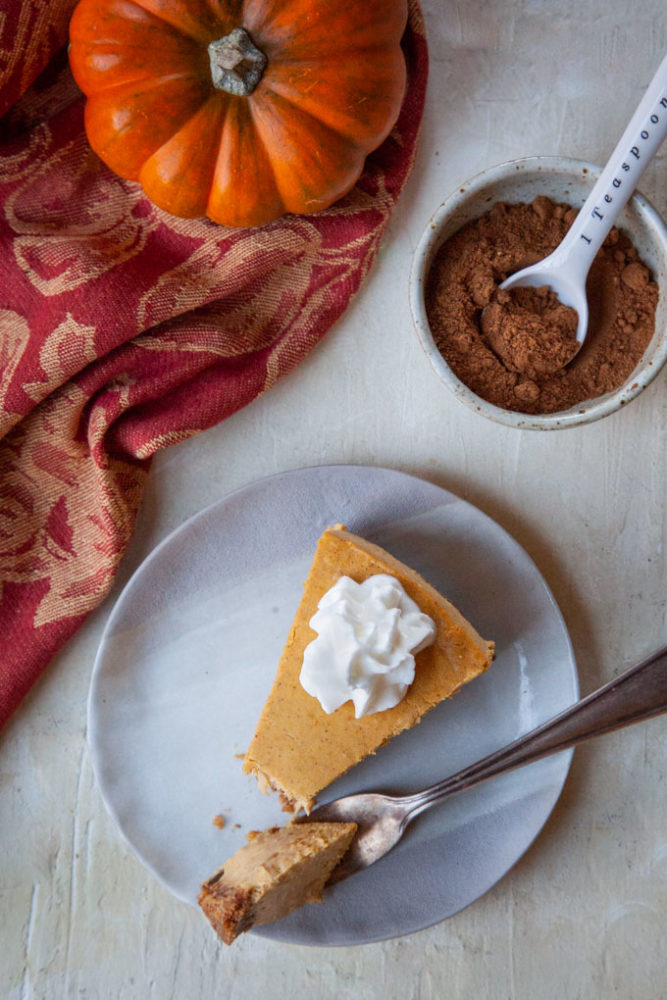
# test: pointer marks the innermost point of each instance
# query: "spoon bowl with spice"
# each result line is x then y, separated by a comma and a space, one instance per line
512, 216
565, 270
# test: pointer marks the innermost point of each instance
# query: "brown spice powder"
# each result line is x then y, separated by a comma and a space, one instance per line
499, 357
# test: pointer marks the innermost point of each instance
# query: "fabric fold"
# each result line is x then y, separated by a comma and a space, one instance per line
124, 330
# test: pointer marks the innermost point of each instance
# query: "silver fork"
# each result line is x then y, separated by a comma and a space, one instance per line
637, 694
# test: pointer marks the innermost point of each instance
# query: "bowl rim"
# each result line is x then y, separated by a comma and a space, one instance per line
431, 240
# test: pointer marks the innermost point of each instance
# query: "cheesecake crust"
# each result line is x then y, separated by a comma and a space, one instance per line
277, 871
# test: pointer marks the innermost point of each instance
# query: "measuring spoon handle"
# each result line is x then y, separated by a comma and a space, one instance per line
640, 141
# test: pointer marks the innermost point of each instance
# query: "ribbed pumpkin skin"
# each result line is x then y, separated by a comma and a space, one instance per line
329, 95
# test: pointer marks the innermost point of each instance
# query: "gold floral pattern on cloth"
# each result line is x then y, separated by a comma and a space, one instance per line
85, 228
61, 512
30, 33
124, 330
14, 339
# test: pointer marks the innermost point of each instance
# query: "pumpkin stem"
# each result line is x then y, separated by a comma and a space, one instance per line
237, 64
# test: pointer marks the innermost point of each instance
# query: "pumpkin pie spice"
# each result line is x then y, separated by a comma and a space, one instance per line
515, 349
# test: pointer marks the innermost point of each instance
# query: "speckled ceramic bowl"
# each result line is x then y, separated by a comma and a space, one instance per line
523, 180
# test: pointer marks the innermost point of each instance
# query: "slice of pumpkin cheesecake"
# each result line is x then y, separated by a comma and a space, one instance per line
299, 748
277, 871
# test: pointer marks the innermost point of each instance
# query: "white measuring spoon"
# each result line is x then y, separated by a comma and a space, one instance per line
566, 269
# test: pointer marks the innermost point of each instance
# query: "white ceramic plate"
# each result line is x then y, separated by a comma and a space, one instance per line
190, 652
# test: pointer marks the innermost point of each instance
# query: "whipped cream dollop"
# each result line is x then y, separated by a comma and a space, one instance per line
367, 637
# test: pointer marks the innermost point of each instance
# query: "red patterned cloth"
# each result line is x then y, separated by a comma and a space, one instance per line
124, 330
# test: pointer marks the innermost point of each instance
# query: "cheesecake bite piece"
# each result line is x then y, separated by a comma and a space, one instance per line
277, 871
298, 749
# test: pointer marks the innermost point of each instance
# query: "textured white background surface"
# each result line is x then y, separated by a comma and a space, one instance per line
581, 915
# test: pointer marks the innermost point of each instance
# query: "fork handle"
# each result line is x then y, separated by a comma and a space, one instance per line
639, 693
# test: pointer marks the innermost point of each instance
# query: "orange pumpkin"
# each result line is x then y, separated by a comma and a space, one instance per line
241, 110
